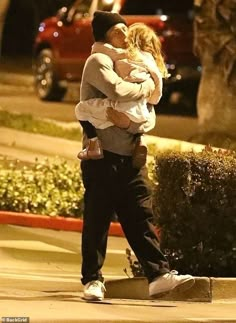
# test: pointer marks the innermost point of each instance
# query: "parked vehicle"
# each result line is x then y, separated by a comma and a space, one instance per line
64, 42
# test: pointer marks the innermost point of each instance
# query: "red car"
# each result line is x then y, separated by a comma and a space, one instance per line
64, 41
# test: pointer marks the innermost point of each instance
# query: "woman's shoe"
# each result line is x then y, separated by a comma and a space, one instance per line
92, 151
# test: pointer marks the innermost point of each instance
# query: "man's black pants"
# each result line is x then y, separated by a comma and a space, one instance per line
113, 186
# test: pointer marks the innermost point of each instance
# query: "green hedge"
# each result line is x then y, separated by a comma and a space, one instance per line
194, 199
195, 206
48, 188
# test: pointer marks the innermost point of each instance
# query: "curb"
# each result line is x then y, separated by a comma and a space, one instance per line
205, 289
55, 223
45, 144
137, 288
69, 148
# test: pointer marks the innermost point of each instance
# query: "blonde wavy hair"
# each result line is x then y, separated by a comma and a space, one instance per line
142, 37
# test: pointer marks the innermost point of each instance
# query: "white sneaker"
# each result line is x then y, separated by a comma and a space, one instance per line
170, 281
94, 291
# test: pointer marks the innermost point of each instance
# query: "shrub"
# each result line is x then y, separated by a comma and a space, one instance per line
195, 206
50, 188
134, 266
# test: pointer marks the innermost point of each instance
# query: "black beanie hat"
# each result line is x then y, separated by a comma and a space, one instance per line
103, 21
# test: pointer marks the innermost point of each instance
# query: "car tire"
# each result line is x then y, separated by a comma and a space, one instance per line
46, 82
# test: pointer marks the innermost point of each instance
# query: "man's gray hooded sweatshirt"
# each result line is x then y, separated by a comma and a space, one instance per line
99, 80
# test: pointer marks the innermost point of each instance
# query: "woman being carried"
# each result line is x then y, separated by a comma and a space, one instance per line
141, 60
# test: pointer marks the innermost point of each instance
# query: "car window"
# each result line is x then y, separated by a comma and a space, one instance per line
157, 7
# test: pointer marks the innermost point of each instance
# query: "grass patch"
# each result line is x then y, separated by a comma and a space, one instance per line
26, 122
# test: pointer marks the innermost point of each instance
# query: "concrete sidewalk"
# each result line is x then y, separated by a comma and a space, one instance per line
39, 279
66, 307
43, 259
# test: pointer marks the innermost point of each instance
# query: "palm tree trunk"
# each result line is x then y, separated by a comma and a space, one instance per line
215, 44
216, 103
4, 4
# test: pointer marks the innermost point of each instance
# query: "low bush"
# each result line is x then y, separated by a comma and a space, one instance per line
48, 188
195, 206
